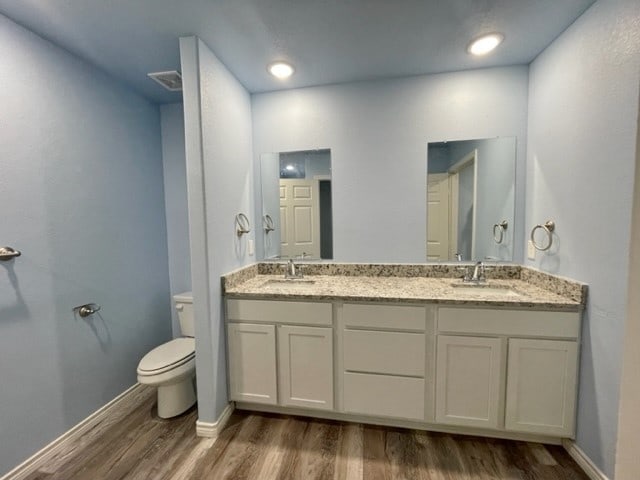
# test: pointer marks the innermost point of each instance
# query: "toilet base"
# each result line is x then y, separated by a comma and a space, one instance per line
176, 398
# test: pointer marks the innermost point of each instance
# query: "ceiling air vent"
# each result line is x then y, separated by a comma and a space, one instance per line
172, 80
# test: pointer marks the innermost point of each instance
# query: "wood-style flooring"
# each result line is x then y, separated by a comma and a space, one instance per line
135, 444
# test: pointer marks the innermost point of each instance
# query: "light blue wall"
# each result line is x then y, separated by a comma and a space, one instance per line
583, 110
220, 185
82, 197
378, 134
175, 197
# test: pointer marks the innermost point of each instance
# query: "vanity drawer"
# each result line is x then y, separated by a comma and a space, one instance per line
272, 311
392, 317
394, 353
384, 395
509, 322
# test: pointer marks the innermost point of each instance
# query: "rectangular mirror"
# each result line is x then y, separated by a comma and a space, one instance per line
296, 212
471, 199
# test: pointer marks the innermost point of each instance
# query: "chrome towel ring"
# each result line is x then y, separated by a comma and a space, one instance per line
242, 224
86, 310
267, 223
7, 253
548, 227
498, 231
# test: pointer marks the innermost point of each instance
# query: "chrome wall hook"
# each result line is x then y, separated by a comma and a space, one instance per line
8, 253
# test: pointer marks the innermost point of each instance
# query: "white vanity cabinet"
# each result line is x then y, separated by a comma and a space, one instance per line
281, 353
387, 360
461, 368
507, 369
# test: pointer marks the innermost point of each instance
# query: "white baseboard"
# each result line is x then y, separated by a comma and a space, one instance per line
40, 458
212, 430
581, 458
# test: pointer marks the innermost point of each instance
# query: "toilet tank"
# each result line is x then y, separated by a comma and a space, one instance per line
184, 307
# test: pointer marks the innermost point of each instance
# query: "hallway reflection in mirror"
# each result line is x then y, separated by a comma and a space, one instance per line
470, 188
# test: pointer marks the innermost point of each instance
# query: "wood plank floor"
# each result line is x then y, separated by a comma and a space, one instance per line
136, 444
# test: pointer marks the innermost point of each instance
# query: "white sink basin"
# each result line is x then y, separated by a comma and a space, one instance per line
489, 290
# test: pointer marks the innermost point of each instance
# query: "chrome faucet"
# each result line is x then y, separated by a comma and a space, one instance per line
458, 257
292, 270
478, 273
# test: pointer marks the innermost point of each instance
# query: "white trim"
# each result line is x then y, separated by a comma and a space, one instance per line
454, 189
41, 457
627, 459
212, 430
581, 458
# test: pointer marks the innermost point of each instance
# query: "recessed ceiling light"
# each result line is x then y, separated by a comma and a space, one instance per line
280, 69
485, 44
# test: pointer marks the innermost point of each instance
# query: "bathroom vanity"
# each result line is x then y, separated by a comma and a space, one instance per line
408, 346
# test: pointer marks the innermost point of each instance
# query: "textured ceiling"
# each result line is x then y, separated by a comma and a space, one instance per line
328, 41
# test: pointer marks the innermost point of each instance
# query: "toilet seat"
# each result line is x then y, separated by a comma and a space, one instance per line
167, 356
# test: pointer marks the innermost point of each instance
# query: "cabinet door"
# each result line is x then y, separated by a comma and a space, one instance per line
252, 363
469, 381
306, 366
541, 387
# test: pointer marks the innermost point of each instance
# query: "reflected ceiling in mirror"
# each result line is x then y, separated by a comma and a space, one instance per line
471, 199
296, 205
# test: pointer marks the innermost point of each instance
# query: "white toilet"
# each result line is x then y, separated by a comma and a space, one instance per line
172, 366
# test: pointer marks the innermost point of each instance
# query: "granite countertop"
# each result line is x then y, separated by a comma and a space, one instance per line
509, 292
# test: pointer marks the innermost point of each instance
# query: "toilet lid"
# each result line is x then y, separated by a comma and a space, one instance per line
171, 353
